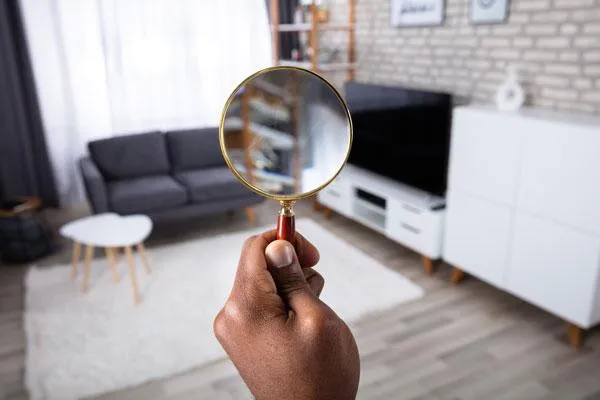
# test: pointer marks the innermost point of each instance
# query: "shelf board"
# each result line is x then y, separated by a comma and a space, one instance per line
265, 110
307, 27
327, 67
280, 140
369, 214
269, 176
273, 89
375, 225
372, 207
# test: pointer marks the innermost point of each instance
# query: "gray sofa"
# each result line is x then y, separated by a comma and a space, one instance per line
165, 175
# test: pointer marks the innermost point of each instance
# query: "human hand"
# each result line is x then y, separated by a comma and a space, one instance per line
284, 341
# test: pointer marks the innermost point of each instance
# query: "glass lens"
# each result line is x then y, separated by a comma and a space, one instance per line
286, 132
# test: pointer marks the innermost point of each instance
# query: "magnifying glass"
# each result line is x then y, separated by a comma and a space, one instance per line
285, 133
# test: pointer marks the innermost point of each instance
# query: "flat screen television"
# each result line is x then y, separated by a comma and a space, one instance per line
401, 134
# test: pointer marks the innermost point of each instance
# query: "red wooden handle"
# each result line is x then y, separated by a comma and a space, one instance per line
286, 228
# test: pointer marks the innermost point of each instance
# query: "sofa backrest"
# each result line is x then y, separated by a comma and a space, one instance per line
194, 149
130, 156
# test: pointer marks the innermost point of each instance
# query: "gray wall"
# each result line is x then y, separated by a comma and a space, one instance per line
554, 43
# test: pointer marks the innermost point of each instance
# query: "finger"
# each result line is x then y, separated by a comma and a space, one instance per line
307, 253
315, 280
289, 278
252, 275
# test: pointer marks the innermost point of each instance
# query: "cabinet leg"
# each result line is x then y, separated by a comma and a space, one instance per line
457, 275
328, 212
574, 335
428, 264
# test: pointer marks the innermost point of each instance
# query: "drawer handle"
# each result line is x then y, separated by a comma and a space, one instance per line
333, 193
411, 209
410, 228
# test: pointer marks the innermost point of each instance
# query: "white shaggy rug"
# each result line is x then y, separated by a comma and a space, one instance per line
82, 345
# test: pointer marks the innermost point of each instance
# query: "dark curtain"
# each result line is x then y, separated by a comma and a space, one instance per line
287, 40
25, 168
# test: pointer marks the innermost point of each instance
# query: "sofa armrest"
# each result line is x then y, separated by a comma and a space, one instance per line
95, 186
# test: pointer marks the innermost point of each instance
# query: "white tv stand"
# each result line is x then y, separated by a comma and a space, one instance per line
406, 215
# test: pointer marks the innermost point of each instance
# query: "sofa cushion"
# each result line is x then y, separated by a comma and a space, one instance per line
130, 156
194, 149
146, 194
211, 184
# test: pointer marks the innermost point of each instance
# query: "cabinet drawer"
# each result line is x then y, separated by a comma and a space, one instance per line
554, 267
420, 231
477, 235
408, 214
407, 234
337, 196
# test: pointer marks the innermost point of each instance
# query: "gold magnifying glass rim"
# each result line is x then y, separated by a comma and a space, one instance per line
230, 163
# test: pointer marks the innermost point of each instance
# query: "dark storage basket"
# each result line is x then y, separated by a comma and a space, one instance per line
24, 235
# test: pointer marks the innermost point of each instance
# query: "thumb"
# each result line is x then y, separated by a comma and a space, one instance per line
288, 275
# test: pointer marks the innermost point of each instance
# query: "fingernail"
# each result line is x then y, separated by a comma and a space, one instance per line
279, 254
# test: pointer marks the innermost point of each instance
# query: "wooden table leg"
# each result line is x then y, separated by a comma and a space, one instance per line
574, 335
134, 283
250, 215
428, 264
89, 253
75, 261
457, 275
116, 252
110, 256
142, 252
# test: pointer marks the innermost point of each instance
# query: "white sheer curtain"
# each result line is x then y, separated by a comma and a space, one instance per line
109, 67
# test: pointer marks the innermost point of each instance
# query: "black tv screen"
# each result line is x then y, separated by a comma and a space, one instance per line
406, 143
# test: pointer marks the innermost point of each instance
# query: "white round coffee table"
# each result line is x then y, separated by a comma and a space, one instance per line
112, 232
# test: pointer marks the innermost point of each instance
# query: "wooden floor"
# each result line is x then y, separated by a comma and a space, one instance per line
465, 342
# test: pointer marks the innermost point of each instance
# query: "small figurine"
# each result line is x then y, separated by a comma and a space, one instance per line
510, 95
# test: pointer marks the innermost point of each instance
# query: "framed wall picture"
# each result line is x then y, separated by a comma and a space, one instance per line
489, 11
416, 12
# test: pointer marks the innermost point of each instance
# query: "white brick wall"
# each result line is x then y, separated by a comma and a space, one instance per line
554, 43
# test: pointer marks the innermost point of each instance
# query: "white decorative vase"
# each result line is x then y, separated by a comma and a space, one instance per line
510, 95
